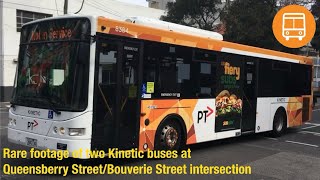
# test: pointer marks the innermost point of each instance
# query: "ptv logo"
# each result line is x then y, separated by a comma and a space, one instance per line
203, 115
33, 124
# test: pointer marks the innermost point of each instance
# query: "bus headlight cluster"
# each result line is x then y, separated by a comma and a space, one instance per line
76, 131
60, 130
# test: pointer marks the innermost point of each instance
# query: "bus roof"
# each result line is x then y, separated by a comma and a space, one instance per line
139, 31
175, 27
127, 29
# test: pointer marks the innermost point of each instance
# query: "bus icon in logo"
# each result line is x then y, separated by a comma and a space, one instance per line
294, 25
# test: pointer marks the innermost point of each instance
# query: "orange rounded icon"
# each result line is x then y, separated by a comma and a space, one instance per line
294, 26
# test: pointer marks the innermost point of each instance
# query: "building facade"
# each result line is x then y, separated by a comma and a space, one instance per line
14, 13
316, 76
159, 4
309, 51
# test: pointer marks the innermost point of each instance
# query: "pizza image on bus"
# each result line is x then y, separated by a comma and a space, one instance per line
226, 103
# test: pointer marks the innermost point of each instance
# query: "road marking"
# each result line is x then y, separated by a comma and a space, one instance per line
275, 139
4, 176
11, 176
315, 124
310, 132
305, 144
309, 127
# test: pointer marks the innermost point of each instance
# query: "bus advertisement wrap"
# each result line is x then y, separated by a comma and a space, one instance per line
229, 95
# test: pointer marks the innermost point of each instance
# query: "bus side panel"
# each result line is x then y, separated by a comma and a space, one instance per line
198, 115
294, 111
263, 119
267, 107
266, 110
156, 110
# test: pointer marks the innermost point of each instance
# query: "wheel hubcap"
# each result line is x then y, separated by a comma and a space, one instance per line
169, 136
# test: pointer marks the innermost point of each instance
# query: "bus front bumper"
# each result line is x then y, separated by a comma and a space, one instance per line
44, 142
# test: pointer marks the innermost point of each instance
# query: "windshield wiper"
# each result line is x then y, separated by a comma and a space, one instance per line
49, 98
51, 104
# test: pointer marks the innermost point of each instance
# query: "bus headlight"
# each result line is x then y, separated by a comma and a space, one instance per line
62, 130
76, 131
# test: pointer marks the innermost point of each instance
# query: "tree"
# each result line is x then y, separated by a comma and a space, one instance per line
196, 13
250, 22
316, 39
282, 3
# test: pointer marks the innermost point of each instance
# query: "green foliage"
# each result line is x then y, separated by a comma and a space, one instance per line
195, 13
250, 22
246, 21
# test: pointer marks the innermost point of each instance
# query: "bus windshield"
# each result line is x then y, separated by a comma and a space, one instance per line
53, 65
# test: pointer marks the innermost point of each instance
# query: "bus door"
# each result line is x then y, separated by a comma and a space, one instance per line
116, 100
128, 98
249, 97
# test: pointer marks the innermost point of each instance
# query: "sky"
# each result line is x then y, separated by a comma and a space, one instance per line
137, 2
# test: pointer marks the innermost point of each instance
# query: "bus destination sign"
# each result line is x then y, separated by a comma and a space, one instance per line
56, 30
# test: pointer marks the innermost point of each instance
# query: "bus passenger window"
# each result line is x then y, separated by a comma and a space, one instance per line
107, 64
167, 77
130, 69
204, 74
169, 68
149, 70
183, 72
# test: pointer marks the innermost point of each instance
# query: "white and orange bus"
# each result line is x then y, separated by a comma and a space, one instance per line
96, 83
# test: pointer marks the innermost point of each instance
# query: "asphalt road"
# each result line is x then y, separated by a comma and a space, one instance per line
295, 155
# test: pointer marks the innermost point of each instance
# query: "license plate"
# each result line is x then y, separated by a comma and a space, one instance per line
32, 142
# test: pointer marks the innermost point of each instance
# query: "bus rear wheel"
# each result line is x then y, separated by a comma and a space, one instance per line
279, 124
168, 136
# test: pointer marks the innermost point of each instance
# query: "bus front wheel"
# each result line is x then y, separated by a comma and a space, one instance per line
168, 136
279, 123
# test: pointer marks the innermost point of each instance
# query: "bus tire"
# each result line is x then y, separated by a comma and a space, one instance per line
169, 135
279, 123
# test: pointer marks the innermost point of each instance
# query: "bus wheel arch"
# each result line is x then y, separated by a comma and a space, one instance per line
171, 126
279, 123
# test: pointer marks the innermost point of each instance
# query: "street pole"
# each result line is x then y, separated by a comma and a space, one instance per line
65, 7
